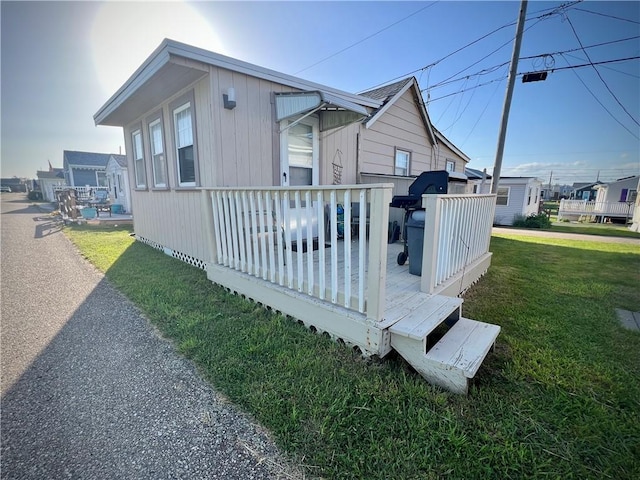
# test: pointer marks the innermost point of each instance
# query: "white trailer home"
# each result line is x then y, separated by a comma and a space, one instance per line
255, 176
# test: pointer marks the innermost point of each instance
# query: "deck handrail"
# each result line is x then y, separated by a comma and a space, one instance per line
259, 230
594, 207
457, 233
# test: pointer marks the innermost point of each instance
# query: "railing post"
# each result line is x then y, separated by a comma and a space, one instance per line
431, 204
208, 220
377, 275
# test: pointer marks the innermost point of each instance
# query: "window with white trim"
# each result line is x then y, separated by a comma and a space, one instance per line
185, 155
101, 179
138, 159
450, 166
502, 196
158, 163
401, 166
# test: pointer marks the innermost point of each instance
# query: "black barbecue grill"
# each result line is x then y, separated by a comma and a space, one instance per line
426, 183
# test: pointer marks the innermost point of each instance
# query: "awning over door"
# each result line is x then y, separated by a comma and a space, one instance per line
333, 111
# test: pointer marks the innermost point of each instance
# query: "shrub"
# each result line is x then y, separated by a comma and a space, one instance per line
539, 220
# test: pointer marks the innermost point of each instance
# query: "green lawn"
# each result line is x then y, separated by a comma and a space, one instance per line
559, 397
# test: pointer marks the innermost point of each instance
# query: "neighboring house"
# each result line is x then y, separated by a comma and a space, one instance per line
516, 196
556, 192
584, 191
622, 190
47, 180
118, 181
82, 169
398, 140
15, 184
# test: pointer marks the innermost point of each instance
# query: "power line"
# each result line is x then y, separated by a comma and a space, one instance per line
550, 12
366, 38
599, 75
492, 69
522, 73
608, 16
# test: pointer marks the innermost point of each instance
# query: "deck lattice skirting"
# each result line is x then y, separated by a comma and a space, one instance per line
191, 260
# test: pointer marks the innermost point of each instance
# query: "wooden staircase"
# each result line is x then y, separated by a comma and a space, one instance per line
444, 347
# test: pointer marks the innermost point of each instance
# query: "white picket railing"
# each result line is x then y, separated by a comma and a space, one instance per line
457, 234
82, 193
282, 236
584, 207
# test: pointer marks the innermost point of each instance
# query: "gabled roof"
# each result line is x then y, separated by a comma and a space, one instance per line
174, 65
85, 159
474, 174
389, 94
120, 159
445, 140
583, 185
54, 173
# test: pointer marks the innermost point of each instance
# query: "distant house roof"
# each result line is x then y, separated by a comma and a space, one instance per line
121, 159
85, 159
473, 174
585, 185
54, 173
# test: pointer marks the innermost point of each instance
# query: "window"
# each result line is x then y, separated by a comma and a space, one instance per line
138, 159
451, 166
101, 179
503, 196
183, 124
402, 162
529, 197
157, 154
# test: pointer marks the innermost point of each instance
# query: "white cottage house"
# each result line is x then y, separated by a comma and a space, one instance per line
255, 175
118, 182
516, 197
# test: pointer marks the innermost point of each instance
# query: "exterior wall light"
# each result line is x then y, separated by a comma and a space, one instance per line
229, 99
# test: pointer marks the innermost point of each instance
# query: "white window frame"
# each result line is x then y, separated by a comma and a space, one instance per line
154, 154
450, 165
103, 174
397, 168
176, 111
506, 197
313, 122
138, 160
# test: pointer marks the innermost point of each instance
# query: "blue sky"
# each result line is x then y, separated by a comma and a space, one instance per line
62, 60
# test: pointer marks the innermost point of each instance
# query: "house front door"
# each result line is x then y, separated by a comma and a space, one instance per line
299, 152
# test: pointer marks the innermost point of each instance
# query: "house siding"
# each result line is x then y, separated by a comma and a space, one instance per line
239, 147
401, 126
518, 200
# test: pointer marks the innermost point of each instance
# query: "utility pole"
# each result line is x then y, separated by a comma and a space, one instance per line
507, 99
550, 175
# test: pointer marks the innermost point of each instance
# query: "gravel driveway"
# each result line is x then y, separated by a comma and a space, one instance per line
90, 390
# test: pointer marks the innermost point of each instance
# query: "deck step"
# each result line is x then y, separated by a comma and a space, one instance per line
417, 322
464, 346
454, 359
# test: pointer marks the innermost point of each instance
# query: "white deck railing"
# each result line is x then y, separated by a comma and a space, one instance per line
82, 193
594, 208
290, 237
457, 234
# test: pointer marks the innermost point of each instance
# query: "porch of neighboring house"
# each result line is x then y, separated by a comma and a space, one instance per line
88, 203
298, 251
595, 211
